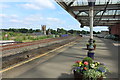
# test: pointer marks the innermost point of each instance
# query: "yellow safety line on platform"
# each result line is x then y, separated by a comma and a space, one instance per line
4, 70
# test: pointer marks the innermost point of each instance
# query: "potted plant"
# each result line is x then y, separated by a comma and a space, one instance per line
87, 45
87, 69
93, 44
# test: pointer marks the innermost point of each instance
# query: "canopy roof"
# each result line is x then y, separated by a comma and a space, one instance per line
106, 12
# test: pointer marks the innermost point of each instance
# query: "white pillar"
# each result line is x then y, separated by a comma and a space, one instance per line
91, 22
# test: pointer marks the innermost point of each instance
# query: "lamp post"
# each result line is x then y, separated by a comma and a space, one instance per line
91, 4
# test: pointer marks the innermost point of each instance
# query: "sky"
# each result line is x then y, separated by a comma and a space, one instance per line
34, 13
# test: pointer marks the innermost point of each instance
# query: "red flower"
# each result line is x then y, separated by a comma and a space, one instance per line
77, 61
85, 68
86, 63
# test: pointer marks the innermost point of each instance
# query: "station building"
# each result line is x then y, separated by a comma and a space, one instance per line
115, 30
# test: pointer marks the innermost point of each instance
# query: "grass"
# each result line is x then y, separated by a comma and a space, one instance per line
27, 40
23, 37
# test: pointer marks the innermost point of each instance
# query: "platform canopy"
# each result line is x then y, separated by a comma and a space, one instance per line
106, 12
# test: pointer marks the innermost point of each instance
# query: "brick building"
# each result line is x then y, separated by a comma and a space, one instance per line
115, 30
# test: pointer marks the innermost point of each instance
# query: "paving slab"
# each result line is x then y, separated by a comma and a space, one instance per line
59, 65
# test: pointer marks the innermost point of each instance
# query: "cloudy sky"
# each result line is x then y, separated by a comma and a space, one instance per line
33, 14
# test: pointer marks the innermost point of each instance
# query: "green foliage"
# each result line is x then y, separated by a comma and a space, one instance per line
22, 37
88, 59
94, 41
92, 74
5, 38
56, 35
62, 31
98, 32
58, 31
43, 37
30, 31
83, 32
89, 69
18, 39
71, 31
30, 37
22, 30
53, 32
24, 34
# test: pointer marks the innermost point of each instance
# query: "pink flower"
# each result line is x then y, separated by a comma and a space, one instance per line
77, 61
86, 63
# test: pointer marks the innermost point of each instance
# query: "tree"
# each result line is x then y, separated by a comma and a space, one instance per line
78, 32
98, 32
84, 32
88, 32
71, 31
12, 30
61, 31
53, 31
30, 31
94, 32
37, 30
23, 30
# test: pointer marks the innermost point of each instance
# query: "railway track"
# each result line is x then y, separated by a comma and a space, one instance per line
19, 45
14, 59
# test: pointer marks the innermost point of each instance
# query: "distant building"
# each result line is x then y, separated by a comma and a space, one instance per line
43, 29
104, 33
42, 32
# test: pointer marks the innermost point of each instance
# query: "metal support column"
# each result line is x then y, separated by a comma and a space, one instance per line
91, 28
91, 22
91, 4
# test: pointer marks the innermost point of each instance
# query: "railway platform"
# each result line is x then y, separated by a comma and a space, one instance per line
59, 63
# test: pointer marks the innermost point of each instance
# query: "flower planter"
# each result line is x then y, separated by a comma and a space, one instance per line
90, 47
101, 78
87, 69
79, 76
94, 46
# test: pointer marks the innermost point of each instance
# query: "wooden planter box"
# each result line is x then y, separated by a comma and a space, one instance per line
79, 76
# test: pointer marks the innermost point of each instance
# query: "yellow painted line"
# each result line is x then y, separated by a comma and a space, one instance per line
4, 70
50, 56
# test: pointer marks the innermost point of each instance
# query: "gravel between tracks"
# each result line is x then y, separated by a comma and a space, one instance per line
14, 59
23, 47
